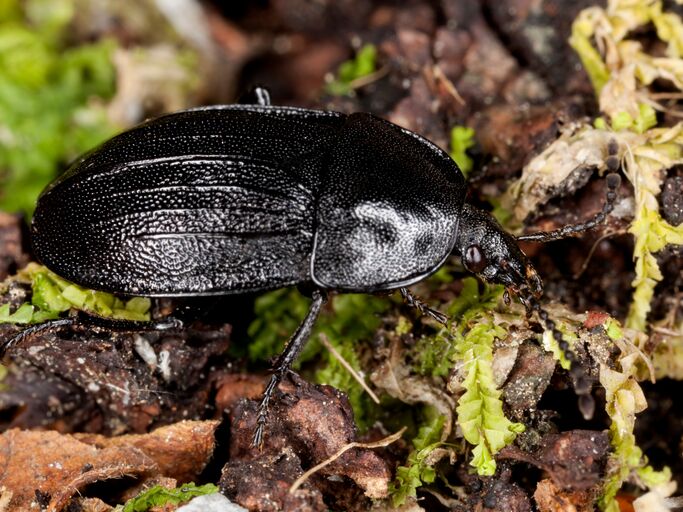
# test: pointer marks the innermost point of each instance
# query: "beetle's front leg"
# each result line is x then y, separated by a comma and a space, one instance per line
285, 360
417, 303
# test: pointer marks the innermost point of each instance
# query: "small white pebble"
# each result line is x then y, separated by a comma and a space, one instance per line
165, 364
211, 503
145, 351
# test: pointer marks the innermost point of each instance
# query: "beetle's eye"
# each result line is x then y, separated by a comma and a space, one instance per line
474, 260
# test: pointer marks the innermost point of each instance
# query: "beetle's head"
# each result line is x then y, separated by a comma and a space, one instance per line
491, 253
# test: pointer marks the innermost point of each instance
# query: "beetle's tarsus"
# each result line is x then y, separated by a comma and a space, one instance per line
257, 440
415, 302
284, 363
164, 324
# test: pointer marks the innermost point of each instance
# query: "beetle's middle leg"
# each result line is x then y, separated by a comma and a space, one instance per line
417, 303
285, 360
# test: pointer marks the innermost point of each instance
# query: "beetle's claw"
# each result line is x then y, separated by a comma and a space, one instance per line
415, 302
533, 282
438, 316
257, 440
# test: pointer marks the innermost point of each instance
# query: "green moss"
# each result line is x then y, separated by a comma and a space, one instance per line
652, 234
613, 329
624, 77
580, 40
159, 496
625, 399
278, 314
417, 470
362, 65
480, 408
435, 355
462, 139
49, 112
470, 344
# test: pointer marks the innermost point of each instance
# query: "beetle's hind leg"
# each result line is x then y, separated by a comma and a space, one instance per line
32, 331
285, 360
84, 319
416, 302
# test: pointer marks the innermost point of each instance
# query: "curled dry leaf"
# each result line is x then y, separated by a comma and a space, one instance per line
394, 376
55, 467
562, 168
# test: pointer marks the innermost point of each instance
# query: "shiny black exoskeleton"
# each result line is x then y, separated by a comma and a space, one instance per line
238, 198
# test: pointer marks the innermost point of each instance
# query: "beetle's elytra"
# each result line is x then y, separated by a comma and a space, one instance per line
238, 198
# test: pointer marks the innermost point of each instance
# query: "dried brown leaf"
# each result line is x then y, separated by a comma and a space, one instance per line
57, 466
180, 450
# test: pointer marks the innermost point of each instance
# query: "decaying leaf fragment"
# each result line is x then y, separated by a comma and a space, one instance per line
47, 468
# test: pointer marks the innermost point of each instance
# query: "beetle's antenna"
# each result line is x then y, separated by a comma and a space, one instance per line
613, 182
582, 384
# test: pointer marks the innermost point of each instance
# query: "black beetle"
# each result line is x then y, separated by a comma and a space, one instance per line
252, 197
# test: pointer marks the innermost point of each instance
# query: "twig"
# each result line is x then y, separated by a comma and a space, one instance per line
362, 81
376, 444
326, 343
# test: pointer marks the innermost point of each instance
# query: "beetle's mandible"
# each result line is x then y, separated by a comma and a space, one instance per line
253, 197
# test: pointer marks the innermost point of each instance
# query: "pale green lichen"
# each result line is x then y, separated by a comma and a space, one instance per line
52, 295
